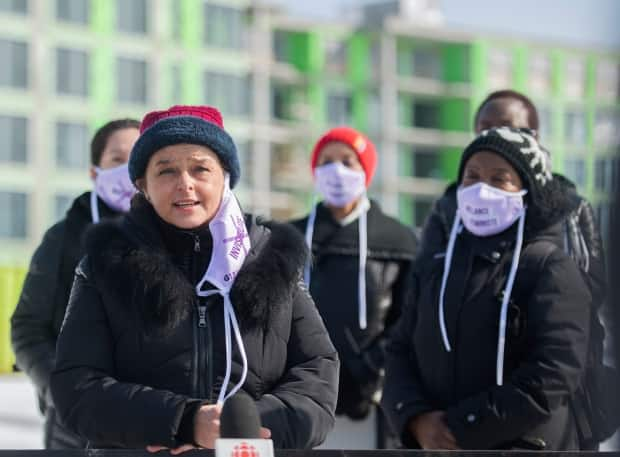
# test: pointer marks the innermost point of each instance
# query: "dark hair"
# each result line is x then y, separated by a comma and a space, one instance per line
100, 139
532, 112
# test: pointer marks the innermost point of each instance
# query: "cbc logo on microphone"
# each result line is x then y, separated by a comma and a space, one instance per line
245, 450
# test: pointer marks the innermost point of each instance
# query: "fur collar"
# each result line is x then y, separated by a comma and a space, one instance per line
131, 266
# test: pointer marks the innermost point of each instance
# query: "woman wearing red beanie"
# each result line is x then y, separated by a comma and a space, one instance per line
359, 275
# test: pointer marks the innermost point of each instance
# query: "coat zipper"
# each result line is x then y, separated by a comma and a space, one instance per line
202, 356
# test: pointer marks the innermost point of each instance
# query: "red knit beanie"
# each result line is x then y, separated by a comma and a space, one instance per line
363, 147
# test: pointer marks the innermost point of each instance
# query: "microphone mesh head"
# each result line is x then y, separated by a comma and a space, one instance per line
240, 417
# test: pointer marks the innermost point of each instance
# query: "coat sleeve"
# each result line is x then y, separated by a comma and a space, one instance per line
597, 274
558, 314
32, 325
299, 410
404, 396
86, 394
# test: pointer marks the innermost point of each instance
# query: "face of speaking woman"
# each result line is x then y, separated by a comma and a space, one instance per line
185, 184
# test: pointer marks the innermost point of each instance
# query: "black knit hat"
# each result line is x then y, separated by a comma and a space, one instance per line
201, 125
521, 150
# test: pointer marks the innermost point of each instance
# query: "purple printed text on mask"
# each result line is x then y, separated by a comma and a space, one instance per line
238, 238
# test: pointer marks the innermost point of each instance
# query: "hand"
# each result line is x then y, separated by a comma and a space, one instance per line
207, 425
174, 451
431, 432
265, 433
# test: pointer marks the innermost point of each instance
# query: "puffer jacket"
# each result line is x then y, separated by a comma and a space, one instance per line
36, 322
139, 352
579, 228
547, 339
334, 287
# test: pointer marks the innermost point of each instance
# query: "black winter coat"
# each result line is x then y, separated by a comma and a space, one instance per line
333, 285
36, 322
546, 345
135, 359
581, 218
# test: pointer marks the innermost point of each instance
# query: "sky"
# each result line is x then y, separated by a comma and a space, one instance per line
589, 23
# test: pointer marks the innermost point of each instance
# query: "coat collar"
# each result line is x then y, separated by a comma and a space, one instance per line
132, 264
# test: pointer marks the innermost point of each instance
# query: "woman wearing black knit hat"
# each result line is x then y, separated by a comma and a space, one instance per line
186, 301
493, 345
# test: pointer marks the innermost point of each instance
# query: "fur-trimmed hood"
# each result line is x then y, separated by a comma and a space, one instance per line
131, 264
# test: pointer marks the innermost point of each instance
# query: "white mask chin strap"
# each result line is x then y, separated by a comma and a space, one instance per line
456, 229
229, 318
363, 255
501, 339
361, 278
222, 261
94, 207
309, 234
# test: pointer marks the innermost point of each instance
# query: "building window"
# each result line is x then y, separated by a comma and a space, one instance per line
76, 11
419, 162
427, 62
286, 160
336, 57
500, 69
339, 109
373, 113
14, 6
131, 16
176, 19
375, 59
425, 114
244, 151
62, 203
575, 127
13, 139
14, 71
539, 73
131, 80
280, 45
575, 170
575, 74
72, 145
13, 214
72, 74
606, 131
232, 94
608, 80
545, 123
176, 81
224, 26
281, 102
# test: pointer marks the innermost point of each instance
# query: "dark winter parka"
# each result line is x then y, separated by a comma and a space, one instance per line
333, 285
36, 322
580, 220
139, 352
546, 344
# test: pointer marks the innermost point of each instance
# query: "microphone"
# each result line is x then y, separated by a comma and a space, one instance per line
239, 418
240, 429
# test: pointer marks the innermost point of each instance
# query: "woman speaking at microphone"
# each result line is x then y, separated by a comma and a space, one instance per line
186, 301
493, 345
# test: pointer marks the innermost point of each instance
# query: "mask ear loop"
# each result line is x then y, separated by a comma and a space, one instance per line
501, 339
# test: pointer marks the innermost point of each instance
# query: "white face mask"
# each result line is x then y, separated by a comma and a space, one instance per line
114, 187
486, 210
338, 184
